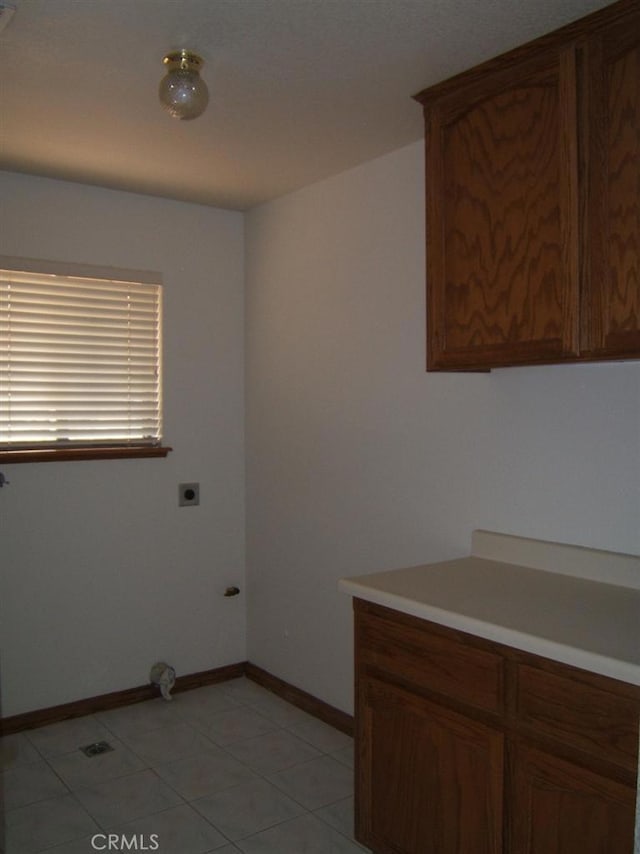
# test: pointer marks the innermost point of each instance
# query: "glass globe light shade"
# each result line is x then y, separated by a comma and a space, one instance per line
183, 93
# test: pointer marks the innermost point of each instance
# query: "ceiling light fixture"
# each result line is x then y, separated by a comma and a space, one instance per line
182, 91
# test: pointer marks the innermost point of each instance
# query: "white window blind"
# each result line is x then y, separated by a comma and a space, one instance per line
80, 361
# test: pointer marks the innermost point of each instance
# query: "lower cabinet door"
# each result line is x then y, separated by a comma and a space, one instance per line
429, 781
561, 808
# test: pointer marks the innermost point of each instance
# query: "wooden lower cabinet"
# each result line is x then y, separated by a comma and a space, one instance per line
561, 808
433, 778
544, 761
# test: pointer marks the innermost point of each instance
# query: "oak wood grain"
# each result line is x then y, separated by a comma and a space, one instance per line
433, 778
533, 201
502, 257
421, 728
612, 277
438, 663
559, 808
597, 720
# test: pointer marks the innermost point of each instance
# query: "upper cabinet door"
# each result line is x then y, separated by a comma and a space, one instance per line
502, 217
611, 303
533, 201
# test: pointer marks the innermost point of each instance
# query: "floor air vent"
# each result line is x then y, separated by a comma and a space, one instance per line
96, 748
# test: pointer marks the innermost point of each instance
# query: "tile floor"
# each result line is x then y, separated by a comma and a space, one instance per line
225, 768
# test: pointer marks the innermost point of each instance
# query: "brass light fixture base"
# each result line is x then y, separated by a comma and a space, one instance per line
183, 60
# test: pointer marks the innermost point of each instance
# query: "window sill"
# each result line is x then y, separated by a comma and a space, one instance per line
54, 455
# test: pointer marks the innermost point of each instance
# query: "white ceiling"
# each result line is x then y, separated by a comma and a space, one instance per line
299, 89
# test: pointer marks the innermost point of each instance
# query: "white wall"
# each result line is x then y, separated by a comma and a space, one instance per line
101, 572
358, 460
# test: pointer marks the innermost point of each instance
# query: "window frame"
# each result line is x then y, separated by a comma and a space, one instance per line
88, 451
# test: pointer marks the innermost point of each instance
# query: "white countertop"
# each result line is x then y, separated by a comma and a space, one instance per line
582, 608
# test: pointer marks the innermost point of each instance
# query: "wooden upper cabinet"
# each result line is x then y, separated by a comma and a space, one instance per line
611, 305
533, 212
502, 241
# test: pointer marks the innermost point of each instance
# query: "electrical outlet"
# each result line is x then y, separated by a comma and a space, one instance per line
188, 494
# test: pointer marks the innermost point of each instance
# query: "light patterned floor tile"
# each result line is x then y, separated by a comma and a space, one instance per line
78, 770
168, 743
205, 774
16, 750
279, 711
246, 809
316, 783
304, 835
197, 706
326, 738
67, 736
180, 830
37, 826
245, 690
339, 815
79, 846
140, 717
227, 727
127, 798
273, 751
213, 747
27, 784
345, 756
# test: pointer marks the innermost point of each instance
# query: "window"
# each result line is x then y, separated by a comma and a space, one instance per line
80, 363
